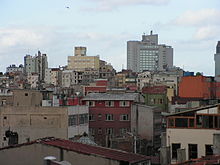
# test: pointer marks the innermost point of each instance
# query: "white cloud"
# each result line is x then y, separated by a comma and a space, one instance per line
11, 37
109, 5
199, 18
207, 32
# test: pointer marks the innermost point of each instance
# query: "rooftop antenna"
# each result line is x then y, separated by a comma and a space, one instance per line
151, 32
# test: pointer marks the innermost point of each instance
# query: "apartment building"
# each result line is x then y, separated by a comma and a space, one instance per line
192, 131
109, 115
147, 54
80, 61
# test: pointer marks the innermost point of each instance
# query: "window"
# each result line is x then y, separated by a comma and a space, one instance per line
181, 122
199, 121
193, 151
175, 146
109, 117
26, 94
191, 122
123, 131
109, 103
72, 120
83, 118
99, 117
208, 150
170, 122
124, 103
91, 117
124, 117
92, 131
109, 131
90, 103
100, 131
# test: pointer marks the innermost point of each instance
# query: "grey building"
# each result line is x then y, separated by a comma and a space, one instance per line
13, 68
36, 64
217, 62
147, 54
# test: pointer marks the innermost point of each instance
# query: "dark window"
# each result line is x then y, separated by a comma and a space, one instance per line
100, 131
72, 120
91, 117
181, 122
5, 117
83, 118
171, 122
26, 94
208, 150
193, 151
199, 121
175, 146
191, 122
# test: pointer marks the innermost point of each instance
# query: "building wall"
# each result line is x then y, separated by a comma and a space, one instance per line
148, 54
195, 87
79, 63
99, 124
27, 98
191, 136
33, 122
34, 154
78, 129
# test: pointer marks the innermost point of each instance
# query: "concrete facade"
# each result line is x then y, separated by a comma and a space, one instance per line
217, 62
148, 54
31, 123
146, 124
79, 62
36, 64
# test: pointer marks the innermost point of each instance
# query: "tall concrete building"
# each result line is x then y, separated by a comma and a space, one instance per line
147, 54
36, 64
80, 62
217, 62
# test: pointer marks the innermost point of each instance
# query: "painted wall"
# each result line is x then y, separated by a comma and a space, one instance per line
191, 136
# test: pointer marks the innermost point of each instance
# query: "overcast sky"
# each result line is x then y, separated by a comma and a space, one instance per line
191, 27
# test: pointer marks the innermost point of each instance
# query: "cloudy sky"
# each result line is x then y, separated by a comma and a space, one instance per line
191, 27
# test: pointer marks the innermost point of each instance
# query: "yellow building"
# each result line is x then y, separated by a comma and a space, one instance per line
80, 62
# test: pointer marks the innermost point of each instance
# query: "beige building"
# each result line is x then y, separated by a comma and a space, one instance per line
79, 62
33, 122
33, 153
192, 131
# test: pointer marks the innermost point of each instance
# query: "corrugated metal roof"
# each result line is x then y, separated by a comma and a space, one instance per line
96, 150
111, 96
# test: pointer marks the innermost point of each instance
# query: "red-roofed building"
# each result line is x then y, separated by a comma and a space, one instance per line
76, 153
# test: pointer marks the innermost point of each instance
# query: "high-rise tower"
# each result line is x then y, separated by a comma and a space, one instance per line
147, 54
217, 62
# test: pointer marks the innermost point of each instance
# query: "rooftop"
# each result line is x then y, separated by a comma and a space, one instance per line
111, 96
87, 150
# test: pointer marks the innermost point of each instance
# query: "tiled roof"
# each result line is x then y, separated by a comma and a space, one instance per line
154, 90
111, 96
95, 150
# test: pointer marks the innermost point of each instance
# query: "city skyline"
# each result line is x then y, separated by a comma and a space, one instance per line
104, 27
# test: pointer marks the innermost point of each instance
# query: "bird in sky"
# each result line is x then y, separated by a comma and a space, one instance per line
67, 7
